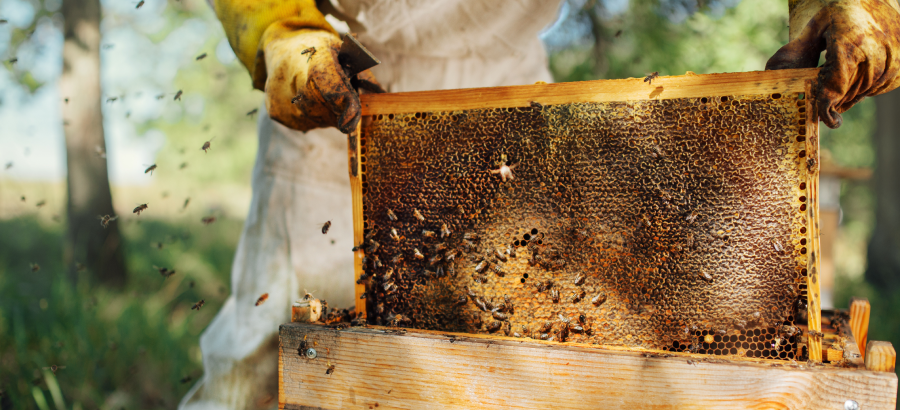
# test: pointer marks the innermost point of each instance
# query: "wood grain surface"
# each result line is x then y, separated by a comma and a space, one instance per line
880, 357
392, 368
859, 321
683, 86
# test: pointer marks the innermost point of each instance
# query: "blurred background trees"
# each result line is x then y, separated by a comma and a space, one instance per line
137, 346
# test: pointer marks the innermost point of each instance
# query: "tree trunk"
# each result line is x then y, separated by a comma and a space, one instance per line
99, 249
884, 248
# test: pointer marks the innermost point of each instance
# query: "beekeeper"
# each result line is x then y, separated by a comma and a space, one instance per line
300, 179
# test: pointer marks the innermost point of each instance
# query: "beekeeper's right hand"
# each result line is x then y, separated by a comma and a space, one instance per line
292, 54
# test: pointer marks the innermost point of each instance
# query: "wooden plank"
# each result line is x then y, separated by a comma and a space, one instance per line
709, 85
355, 170
814, 300
421, 370
859, 321
880, 357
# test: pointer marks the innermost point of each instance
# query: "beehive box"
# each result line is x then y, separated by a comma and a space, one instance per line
675, 215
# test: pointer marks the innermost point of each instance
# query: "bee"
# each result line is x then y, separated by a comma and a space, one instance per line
536, 106
505, 171
391, 215
445, 232
376, 262
542, 286
325, 227
41, 203
140, 208
650, 77
4, 21
198, 305
200, 57
462, 300
466, 245
576, 296
481, 304
500, 255
394, 235
494, 326
498, 270
599, 299
579, 280
559, 263
646, 220
23, 198
165, 272
507, 301
252, 112
810, 164
54, 368
105, 219
451, 256
186, 202
554, 295
707, 277
440, 246
814, 333
208, 220
499, 315
690, 240
482, 266
35, 267
13, 60
396, 259
434, 259
311, 51
575, 327
618, 34
418, 254
373, 246
262, 299
369, 235
545, 327
656, 151
186, 379
295, 99
140, 3
9, 165
329, 370
207, 145
418, 215
511, 250
178, 96
777, 246
161, 96
428, 234
691, 216
471, 236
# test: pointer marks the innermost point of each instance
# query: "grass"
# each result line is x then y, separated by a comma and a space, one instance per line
128, 348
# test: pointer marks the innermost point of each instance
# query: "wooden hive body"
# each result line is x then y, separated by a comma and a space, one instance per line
688, 207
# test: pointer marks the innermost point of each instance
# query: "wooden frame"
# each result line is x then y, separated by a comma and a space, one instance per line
763, 82
395, 368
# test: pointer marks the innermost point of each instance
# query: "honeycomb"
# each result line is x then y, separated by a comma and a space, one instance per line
673, 224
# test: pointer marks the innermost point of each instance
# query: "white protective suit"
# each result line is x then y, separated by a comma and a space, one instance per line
300, 179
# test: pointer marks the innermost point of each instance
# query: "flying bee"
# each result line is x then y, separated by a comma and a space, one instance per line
262, 299
325, 227
200, 57
41, 203
554, 295
208, 220
198, 305
311, 51
35, 267
178, 96
165, 272
482, 266
599, 299
140, 208
54, 368
579, 280
140, 3
418, 215
650, 77
207, 145
391, 215
105, 219
418, 254
252, 112
445, 232
186, 202
394, 235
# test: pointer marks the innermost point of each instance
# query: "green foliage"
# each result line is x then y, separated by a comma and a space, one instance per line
120, 349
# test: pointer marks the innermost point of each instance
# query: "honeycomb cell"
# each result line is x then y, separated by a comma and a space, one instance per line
679, 214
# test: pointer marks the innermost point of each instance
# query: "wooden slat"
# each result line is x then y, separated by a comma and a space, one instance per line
426, 370
859, 321
880, 357
688, 86
812, 163
354, 164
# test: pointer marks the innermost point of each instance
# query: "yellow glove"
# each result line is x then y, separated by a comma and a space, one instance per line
292, 54
862, 38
